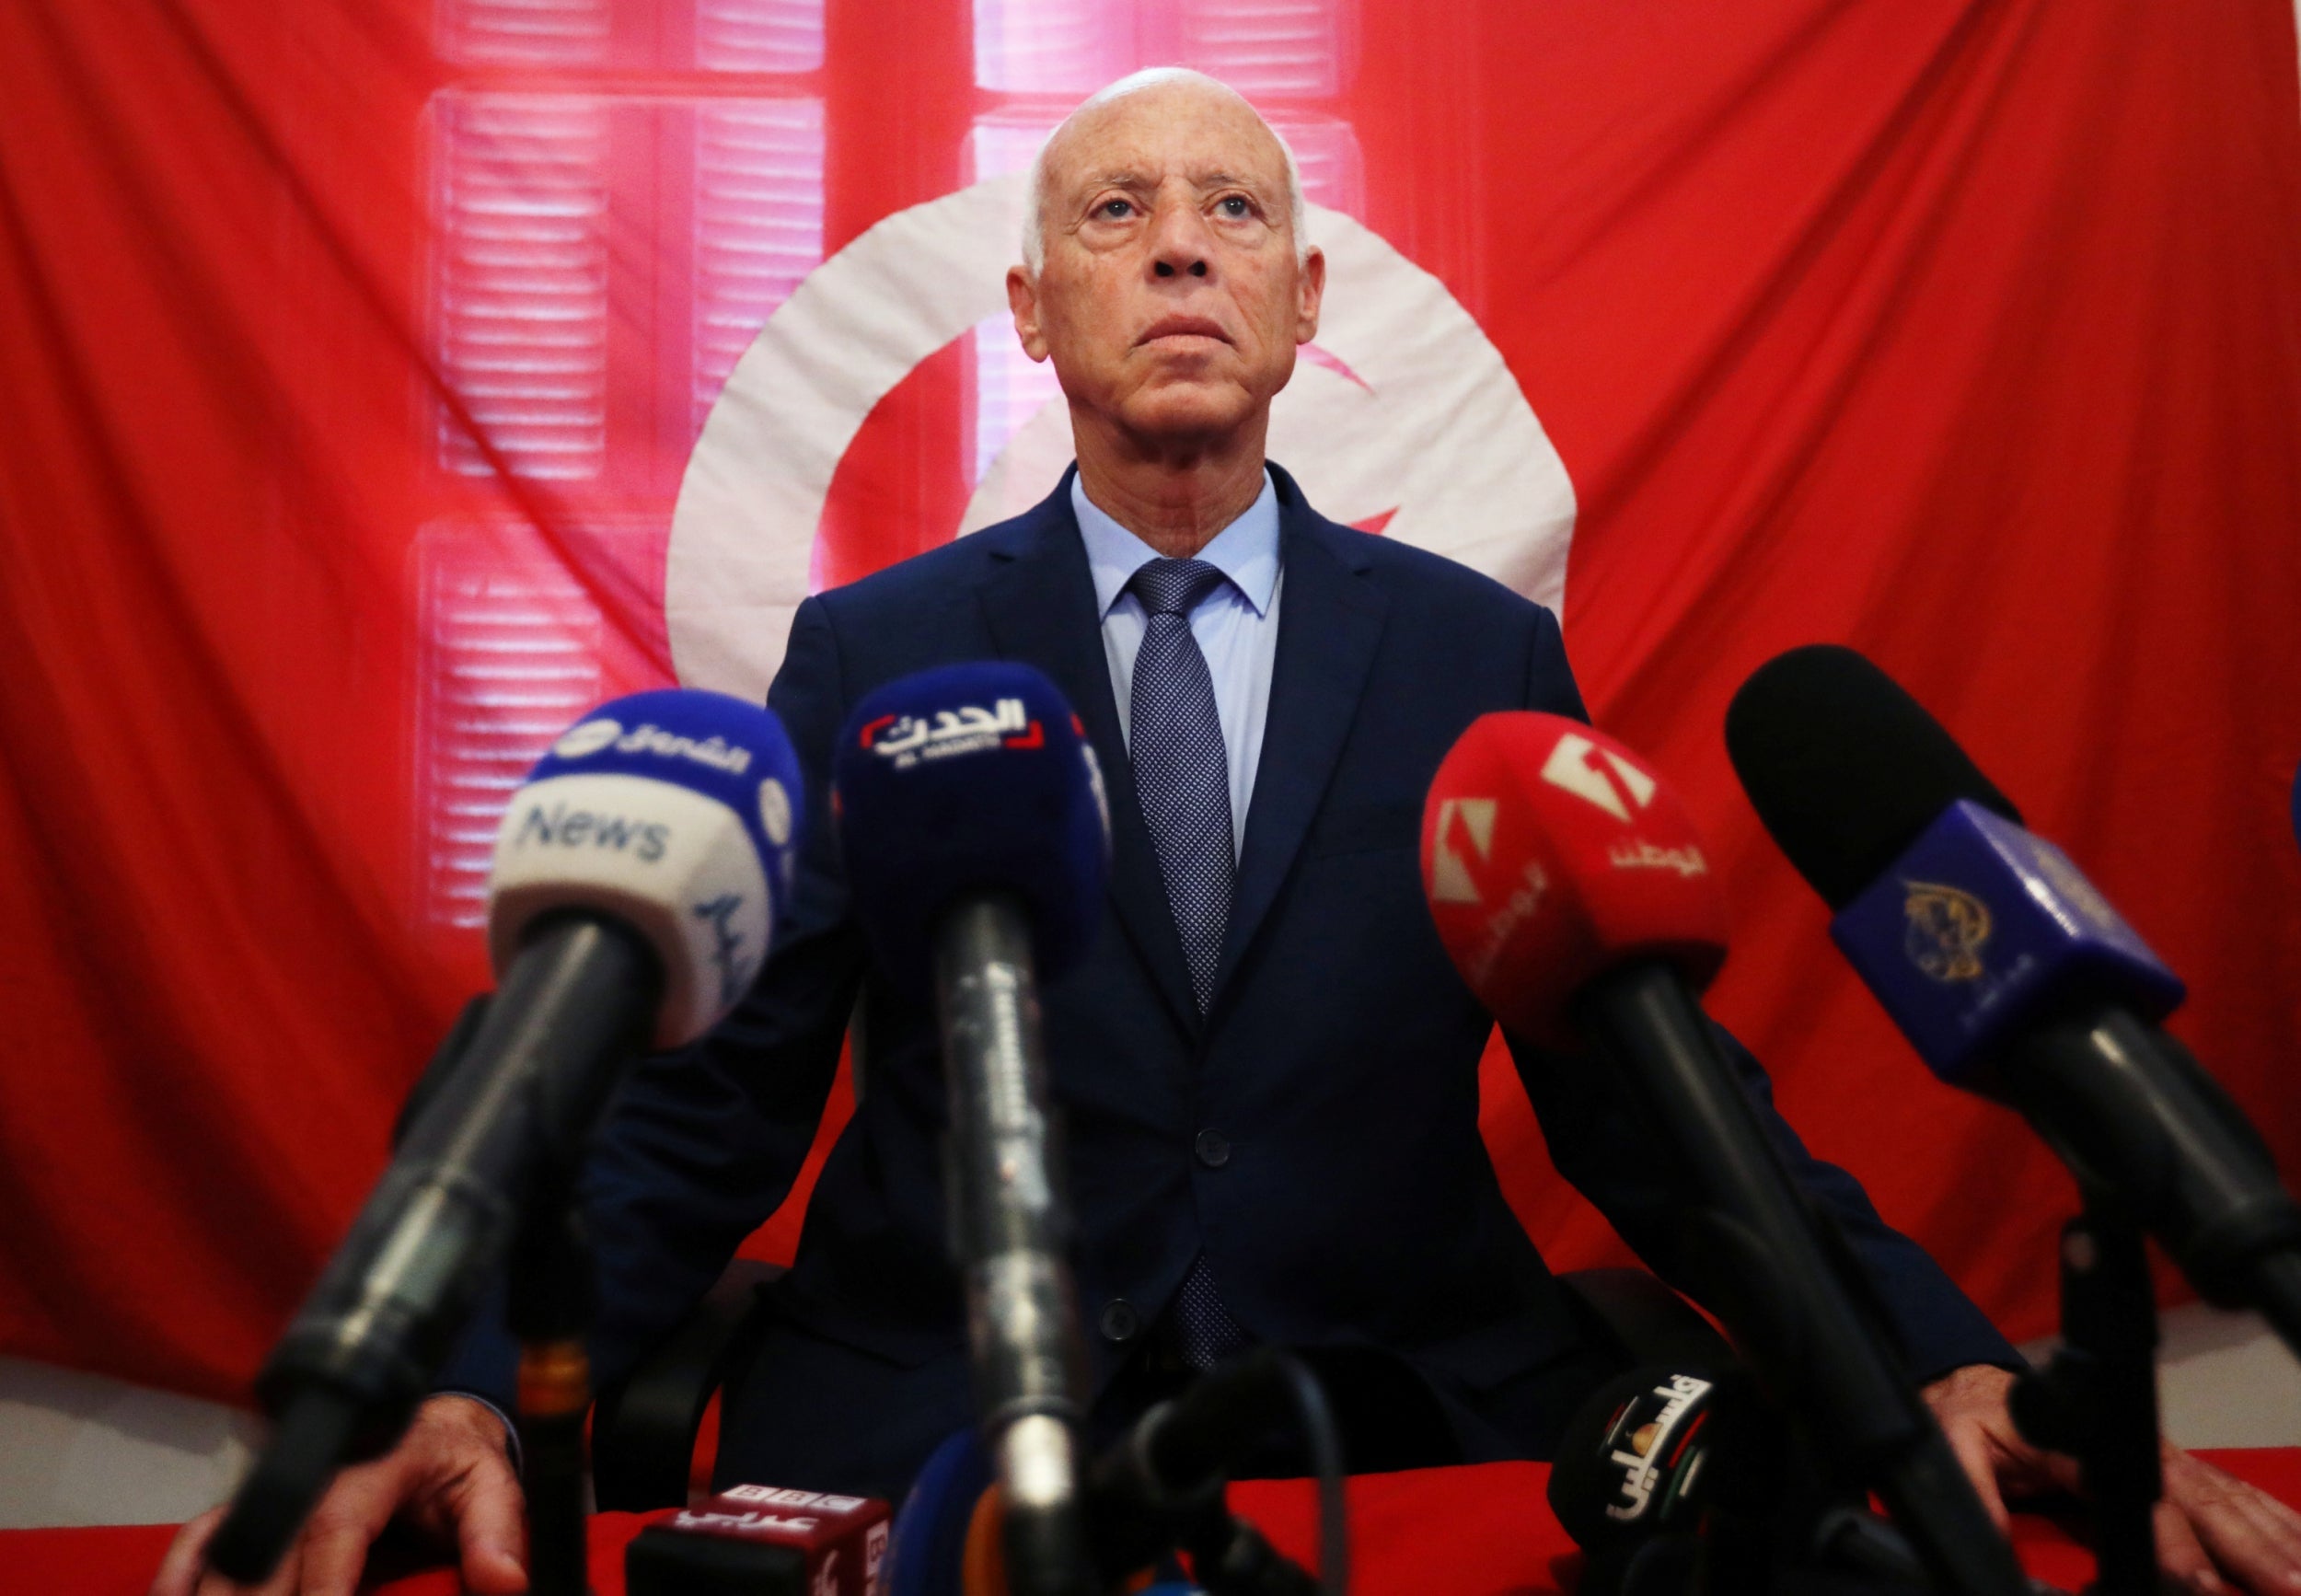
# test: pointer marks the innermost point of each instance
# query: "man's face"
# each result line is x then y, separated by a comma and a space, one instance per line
1170, 298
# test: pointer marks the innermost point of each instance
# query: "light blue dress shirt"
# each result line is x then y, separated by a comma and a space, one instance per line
1236, 625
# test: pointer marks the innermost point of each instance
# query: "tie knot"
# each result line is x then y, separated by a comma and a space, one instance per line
1174, 586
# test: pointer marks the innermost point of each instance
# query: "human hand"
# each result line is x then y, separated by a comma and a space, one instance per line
448, 1478
2208, 1523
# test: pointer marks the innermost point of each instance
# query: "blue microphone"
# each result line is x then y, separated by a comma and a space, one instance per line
676, 813
2007, 969
640, 873
926, 1553
1981, 930
963, 780
976, 837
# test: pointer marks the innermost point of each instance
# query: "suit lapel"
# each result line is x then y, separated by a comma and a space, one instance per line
1038, 600
1330, 622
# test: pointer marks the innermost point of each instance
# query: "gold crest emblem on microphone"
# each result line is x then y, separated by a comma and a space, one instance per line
1945, 931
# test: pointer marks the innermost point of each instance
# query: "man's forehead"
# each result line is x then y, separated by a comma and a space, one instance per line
1144, 174
1145, 138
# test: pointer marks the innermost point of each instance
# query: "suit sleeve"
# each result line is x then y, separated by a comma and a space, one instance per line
1596, 1142
703, 1143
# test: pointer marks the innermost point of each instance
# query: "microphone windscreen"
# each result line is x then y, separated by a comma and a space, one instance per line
676, 812
1654, 1447
1551, 855
964, 780
1843, 768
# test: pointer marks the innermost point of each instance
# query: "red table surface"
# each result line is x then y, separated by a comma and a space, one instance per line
1463, 1532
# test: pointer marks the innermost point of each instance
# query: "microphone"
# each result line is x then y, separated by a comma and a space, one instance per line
1158, 1488
1655, 1448
1574, 896
1664, 1472
976, 833
1161, 1486
2008, 972
1664, 1467
638, 875
761, 1541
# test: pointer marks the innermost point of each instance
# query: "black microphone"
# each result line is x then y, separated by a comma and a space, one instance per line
975, 835
1664, 1467
638, 877
1161, 1486
2009, 973
1573, 894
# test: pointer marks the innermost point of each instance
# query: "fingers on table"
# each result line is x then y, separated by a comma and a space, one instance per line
179, 1568
491, 1531
2254, 1538
1974, 1453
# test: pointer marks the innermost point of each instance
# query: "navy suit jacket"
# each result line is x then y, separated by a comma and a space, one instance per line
1338, 1063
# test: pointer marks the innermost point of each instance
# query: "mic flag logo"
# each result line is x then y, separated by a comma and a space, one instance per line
587, 738
1642, 1441
970, 729
1946, 929
1450, 878
1550, 852
1610, 782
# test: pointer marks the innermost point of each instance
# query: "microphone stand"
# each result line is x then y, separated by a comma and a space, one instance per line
2097, 1399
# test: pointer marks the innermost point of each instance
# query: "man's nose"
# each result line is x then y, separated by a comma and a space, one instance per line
1180, 243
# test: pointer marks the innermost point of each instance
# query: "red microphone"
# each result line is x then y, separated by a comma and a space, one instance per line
1574, 896
1550, 854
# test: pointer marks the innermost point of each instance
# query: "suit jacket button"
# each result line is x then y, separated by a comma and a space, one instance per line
1120, 1323
1213, 1151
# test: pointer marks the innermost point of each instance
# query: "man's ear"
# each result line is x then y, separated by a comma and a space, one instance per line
1022, 300
1310, 292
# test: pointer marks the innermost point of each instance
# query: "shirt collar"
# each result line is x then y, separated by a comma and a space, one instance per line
1246, 550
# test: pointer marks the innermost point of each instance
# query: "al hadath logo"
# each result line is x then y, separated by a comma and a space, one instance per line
1403, 415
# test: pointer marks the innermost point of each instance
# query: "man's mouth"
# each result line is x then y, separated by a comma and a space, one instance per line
1181, 327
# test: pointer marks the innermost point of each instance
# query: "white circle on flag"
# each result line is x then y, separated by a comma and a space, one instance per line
1404, 415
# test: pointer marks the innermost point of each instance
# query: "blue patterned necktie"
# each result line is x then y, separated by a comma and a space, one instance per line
1182, 776
1183, 781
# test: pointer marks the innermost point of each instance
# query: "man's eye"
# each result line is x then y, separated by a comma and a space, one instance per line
1236, 205
1114, 209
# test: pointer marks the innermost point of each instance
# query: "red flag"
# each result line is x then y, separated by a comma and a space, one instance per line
386, 381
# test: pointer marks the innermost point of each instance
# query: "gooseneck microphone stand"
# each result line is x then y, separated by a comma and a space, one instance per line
2097, 1399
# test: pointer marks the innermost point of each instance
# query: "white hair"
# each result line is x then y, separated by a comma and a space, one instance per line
1034, 203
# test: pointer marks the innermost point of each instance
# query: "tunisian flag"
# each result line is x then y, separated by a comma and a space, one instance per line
384, 381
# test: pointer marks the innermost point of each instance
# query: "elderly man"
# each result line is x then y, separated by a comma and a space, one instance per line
1267, 1065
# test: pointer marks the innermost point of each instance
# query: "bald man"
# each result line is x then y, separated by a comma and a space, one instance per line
1266, 1065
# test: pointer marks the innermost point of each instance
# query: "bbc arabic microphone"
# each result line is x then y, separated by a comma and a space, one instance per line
639, 876
976, 835
2007, 971
1573, 894
762, 1541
